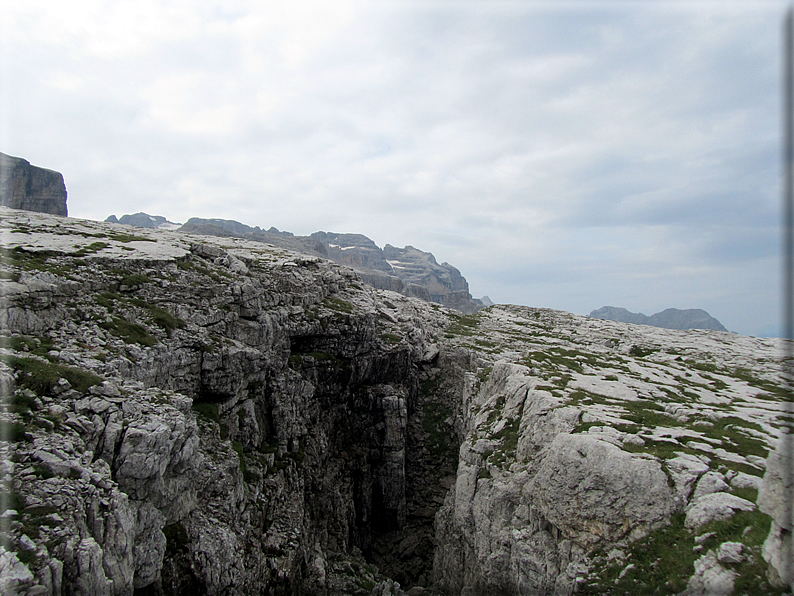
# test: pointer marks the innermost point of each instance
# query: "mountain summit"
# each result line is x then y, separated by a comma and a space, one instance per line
671, 318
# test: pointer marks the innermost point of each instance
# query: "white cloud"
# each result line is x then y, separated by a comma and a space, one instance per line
554, 152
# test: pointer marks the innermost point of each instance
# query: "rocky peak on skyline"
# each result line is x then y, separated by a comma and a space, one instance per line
144, 220
671, 318
28, 187
408, 271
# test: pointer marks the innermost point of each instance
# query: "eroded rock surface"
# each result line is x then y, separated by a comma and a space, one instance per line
23, 186
197, 415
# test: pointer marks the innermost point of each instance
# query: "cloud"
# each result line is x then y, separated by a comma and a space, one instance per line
547, 150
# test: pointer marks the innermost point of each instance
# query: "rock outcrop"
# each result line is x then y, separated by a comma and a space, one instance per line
203, 415
600, 457
408, 271
670, 318
206, 416
23, 186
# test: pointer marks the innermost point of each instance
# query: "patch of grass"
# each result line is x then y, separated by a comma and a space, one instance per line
508, 436
207, 410
160, 317
92, 248
701, 365
21, 403
132, 280
462, 325
648, 414
559, 359
777, 389
10, 276
430, 385
176, 539
107, 300
660, 449
663, 563
642, 352
129, 332
40, 260
15, 432
124, 238
390, 338
730, 430
40, 377
338, 305
750, 528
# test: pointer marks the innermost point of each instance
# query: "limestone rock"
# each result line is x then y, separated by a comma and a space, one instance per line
715, 506
219, 415
23, 186
711, 578
774, 499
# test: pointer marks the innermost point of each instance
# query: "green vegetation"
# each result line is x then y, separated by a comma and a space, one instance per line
642, 352
40, 377
176, 538
462, 325
338, 305
40, 260
132, 280
129, 332
124, 237
92, 248
209, 411
439, 433
390, 338
731, 431
508, 436
648, 414
107, 300
559, 358
9, 276
160, 317
663, 563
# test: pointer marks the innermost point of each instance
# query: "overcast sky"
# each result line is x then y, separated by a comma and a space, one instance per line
564, 155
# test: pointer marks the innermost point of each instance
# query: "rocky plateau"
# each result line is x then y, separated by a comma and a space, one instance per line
194, 414
408, 271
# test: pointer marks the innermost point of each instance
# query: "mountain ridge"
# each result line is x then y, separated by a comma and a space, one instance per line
408, 271
670, 318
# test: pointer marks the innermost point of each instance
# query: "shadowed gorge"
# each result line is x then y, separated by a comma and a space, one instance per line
192, 414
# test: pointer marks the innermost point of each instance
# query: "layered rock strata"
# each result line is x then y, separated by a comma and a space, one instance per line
200, 415
408, 271
215, 417
23, 186
605, 458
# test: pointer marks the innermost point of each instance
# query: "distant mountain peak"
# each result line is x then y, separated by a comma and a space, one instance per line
408, 270
670, 318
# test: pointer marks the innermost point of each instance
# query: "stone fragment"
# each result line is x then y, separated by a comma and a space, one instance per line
715, 506
710, 482
710, 578
730, 553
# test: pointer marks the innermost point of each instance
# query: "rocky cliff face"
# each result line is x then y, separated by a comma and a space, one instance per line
408, 271
199, 415
209, 417
23, 186
602, 458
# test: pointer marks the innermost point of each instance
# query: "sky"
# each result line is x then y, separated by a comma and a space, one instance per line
568, 155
